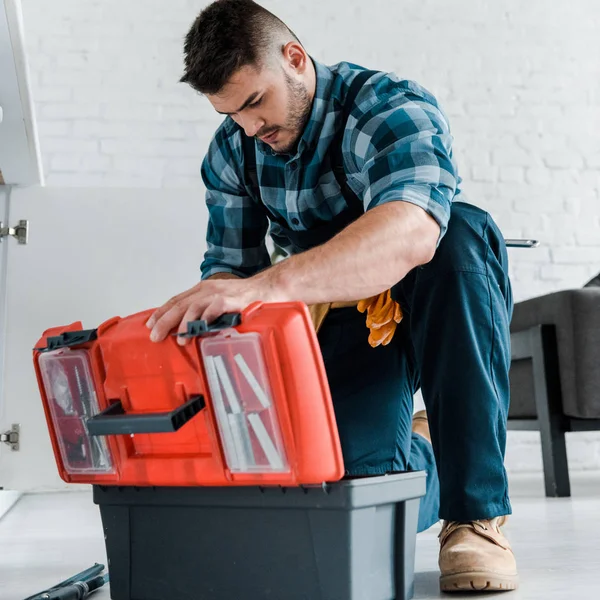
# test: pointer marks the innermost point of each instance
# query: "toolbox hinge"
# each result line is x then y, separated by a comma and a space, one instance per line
20, 232
11, 437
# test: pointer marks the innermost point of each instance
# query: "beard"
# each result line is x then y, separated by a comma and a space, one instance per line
299, 107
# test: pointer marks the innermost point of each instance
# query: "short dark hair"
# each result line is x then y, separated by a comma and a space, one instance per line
227, 35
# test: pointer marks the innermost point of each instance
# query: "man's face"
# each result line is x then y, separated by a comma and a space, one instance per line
269, 104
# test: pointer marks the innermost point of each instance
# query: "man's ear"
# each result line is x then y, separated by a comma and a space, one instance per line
295, 57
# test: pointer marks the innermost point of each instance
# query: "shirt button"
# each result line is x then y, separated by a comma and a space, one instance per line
295, 221
293, 166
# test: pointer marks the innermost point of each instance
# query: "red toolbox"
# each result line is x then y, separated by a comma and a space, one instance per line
245, 402
217, 465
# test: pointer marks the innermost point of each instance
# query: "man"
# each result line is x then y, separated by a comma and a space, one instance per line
351, 173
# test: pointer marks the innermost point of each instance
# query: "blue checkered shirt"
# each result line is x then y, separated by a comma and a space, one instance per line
396, 145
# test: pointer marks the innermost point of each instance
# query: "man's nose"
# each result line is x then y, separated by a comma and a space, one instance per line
252, 125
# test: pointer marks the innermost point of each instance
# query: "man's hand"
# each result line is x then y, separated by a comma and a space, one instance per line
208, 300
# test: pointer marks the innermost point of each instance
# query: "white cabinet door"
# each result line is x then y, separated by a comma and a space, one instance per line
4, 244
92, 254
7, 498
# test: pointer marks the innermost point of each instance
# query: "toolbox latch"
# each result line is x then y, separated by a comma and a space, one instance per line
69, 338
200, 328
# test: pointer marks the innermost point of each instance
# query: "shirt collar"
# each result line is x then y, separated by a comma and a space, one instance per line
321, 105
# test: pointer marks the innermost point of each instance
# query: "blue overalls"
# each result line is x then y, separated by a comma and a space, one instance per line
454, 344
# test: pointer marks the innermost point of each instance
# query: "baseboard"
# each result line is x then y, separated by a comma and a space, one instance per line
7, 500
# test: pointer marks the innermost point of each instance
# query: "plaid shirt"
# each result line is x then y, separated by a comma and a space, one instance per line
397, 145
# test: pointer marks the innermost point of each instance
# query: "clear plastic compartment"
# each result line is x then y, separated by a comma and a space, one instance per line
243, 404
72, 400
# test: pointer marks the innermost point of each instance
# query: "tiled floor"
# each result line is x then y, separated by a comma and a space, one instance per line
47, 538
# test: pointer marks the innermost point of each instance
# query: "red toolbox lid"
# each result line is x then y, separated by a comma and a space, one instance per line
245, 402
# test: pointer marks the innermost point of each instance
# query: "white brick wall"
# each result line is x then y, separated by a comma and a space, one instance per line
519, 81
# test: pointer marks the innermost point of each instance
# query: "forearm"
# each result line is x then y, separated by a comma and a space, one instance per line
368, 257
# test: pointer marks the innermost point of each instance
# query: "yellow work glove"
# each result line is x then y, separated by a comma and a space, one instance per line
383, 316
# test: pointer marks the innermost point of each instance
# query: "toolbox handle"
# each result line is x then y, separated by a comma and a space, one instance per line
114, 420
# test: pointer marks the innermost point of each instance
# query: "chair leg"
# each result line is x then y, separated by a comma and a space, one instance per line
554, 457
548, 401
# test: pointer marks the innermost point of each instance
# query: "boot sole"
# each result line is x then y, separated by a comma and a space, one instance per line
478, 582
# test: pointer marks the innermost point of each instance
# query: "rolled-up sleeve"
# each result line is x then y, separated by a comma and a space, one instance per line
403, 151
237, 224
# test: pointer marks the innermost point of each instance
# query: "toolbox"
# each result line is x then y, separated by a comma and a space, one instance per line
217, 465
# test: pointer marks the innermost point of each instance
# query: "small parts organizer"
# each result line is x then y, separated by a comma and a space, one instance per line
242, 401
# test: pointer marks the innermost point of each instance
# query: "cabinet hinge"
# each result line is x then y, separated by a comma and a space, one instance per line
11, 437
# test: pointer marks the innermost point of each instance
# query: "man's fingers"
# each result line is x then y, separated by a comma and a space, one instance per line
215, 309
167, 321
167, 306
207, 303
159, 312
151, 322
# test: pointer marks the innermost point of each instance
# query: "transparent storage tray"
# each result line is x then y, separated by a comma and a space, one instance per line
242, 400
69, 387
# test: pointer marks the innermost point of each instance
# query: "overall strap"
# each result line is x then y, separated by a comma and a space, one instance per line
249, 152
335, 153
251, 175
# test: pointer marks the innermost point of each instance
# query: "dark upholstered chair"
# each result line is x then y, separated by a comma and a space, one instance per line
555, 374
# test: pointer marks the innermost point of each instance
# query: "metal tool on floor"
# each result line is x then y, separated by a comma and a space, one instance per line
78, 587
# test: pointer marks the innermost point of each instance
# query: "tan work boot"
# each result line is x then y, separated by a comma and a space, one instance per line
476, 556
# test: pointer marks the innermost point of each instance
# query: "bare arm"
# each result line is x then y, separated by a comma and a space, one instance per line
368, 257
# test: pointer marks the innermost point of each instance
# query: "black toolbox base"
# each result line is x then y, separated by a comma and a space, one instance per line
351, 540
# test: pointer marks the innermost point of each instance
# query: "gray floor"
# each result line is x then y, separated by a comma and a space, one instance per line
47, 538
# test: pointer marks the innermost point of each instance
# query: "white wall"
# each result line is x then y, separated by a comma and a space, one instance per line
519, 81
